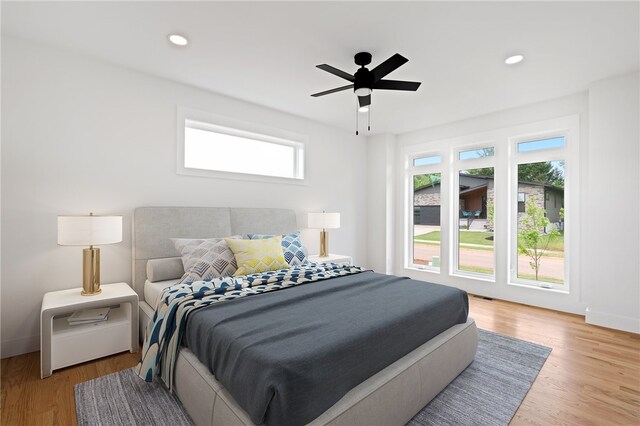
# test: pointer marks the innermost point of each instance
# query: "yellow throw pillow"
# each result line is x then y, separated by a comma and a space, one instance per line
253, 256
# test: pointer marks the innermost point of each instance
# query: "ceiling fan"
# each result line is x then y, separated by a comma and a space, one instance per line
364, 81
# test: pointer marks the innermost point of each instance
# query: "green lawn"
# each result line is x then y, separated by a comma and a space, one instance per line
483, 239
557, 244
478, 269
466, 237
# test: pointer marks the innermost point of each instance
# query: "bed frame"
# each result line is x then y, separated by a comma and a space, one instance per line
391, 397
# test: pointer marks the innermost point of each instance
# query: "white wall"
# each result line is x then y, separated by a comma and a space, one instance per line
79, 135
612, 234
381, 172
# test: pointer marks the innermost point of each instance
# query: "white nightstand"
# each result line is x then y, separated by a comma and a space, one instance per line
333, 258
62, 345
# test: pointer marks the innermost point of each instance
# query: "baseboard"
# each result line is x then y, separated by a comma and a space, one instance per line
20, 346
612, 321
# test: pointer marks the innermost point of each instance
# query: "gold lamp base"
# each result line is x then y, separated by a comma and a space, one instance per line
91, 271
324, 243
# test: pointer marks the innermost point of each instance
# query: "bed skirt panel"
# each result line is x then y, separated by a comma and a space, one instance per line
391, 397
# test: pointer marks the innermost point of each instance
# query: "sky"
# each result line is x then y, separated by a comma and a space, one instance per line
541, 144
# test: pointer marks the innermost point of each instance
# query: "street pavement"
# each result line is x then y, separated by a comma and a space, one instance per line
552, 267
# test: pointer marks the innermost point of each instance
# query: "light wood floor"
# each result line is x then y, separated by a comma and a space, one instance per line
592, 376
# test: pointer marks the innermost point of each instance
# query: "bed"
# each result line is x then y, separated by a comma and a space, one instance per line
392, 395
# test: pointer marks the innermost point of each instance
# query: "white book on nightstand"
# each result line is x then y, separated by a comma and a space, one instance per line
89, 315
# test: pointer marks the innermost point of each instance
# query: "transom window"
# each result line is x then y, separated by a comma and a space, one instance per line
540, 144
476, 153
427, 161
219, 148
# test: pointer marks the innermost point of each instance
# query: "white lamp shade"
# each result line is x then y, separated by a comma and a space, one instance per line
89, 230
324, 220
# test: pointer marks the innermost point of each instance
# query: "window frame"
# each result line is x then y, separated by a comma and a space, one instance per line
215, 123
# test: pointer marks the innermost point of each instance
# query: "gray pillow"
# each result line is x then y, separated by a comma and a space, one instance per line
168, 268
205, 259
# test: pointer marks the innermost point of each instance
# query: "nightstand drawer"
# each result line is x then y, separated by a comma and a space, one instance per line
72, 344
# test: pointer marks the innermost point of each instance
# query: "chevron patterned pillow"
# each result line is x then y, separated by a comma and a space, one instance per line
255, 256
205, 259
294, 251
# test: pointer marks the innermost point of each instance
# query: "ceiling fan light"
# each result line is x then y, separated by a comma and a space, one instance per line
363, 91
363, 108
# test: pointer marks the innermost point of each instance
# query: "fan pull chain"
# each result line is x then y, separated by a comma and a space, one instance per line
369, 118
357, 114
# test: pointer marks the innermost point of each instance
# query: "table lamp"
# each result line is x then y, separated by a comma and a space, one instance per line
89, 231
324, 221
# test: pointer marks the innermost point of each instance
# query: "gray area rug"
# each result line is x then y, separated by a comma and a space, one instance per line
492, 388
488, 392
123, 398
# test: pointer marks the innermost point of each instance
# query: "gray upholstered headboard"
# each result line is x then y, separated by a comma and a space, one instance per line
154, 226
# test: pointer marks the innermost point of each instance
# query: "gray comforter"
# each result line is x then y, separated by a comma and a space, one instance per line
289, 355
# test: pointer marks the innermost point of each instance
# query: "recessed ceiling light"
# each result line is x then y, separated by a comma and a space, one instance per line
513, 59
178, 40
363, 109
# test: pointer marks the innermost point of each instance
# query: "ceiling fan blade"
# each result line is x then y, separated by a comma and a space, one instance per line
396, 85
336, 71
364, 100
338, 89
387, 66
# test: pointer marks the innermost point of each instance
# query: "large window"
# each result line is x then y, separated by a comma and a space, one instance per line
424, 192
475, 193
540, 224
538, 220
496, 207
476, 200
219, 147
